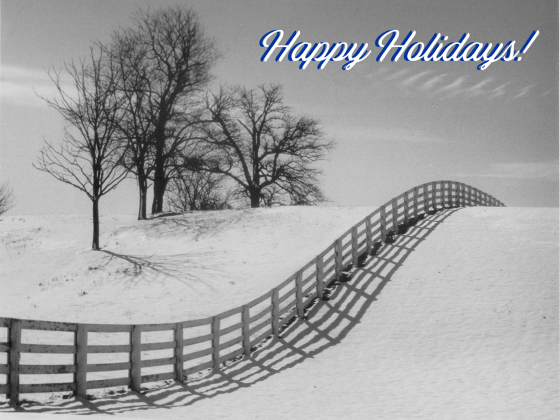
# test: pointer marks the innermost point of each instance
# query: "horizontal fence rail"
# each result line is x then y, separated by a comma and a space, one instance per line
185, 348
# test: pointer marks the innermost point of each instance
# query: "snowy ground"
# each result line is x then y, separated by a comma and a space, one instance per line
166, 269
457, 319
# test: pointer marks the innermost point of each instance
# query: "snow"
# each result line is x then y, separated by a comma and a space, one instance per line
166, 269
457, 319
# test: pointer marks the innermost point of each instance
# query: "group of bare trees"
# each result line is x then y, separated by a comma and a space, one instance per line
253, 138
139, 107
6, 198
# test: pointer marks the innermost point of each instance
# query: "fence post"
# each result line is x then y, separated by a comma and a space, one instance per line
135, 358
246, 331
434, 198
449, 194
320, 276
395, 211
216, 343
355, 246
80, 360
179, 357
406, 208
14, 356
338, 258
415, 202
276, 312
383, 223
425, 195
299, 294
369, 238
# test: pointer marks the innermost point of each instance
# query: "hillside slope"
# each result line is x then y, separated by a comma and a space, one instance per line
166, 269
457, 319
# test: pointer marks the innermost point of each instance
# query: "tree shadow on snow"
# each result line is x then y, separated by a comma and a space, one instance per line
186, 268
193, 224
327, 324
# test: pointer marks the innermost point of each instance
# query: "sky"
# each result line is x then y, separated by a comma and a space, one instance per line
396, 124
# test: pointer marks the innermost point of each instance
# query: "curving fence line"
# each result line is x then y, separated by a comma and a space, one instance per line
94, 356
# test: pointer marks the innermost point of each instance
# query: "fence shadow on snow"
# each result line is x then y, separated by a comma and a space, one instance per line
76, 357
325, 324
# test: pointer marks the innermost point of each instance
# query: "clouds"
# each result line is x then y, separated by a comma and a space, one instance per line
547, 171
523, 91
451, 85
454, 87
432, 82
23, 86
411, 81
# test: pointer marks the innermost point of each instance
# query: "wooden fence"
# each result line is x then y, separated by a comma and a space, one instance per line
193, 346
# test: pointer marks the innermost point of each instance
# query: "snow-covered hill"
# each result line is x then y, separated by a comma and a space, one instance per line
166, 269
457, 319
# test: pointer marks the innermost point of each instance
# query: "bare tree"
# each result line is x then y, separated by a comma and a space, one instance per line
87, 158
197, 191
135, 125
6, 198
254, 139
166, 59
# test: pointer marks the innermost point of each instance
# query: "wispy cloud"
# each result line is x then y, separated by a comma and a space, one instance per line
449, 86
397, 75
413, 79
23, 86
499, 91
453, 86
520, 170
523, 91
433, 81
478, 89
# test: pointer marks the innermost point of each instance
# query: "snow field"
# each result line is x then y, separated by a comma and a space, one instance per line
457, 319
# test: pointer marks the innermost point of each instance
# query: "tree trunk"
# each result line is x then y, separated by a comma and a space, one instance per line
159, 186
159, 175
143, 195
255, 198
95, 242
159, 192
